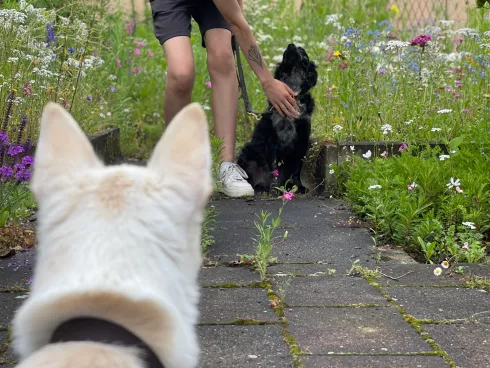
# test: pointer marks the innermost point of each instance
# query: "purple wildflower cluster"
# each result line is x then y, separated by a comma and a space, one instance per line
13, 165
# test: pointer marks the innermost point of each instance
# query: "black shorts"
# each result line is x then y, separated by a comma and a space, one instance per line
172, 18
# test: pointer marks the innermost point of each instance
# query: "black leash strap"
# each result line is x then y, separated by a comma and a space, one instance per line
241, 81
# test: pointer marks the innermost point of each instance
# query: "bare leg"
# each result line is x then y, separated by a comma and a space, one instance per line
180, 76
221, 66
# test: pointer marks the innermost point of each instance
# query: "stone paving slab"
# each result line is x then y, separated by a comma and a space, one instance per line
300, 212
304, 269
9, 302
353, 330
212, 276
442, 303
330, 361
17, 269
228, 305
468, 345
330, 291
423, 275
243, 346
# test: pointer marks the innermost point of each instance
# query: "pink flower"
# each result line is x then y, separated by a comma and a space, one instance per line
139, 43
412, 186
137, 70
118, 61
130, 27
459, 190
420, 40
137, 51
275, 173
150, 53
27, 89
403, 147
288, 196
208, 84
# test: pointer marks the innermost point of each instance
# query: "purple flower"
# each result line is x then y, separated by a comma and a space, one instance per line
15, 150
420, 40
19, 167
30, 280
89, 98
27, 160
275, 173
71, 50
382, 71
3, 138
6, 171
50, 37
27, 175
112, 88
403, 147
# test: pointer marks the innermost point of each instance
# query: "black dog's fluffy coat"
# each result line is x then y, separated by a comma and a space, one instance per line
283, 140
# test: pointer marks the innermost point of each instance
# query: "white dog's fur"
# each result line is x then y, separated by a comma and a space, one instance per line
120, 243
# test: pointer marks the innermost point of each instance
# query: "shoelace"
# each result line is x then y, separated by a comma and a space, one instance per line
235, 172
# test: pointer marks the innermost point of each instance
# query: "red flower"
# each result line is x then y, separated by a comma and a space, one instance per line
421, 40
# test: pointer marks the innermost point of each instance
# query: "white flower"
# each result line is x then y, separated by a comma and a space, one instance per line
445, 111
102, 115
445, 264
443, 157
112, 77
337, 128
156, 115
394, 45
409, 122
126, 111
471, 225
367, 154
352, 148
435, 130
386, 128
453, 183
375, 186
438, 271
109, 114
331, 171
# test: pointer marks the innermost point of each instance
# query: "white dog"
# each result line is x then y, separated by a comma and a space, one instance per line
118, 244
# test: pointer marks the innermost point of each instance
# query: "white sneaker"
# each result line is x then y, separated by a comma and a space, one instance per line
233, 181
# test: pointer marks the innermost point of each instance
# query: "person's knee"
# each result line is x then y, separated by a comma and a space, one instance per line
181, 80
221, 61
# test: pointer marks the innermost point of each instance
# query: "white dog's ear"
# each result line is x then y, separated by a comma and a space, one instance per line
62, 147
184, 153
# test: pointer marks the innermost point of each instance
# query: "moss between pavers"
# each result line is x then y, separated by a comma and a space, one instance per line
360, 305
4, 347
17, 288
346, 353
411, 320
278, 307
477, 282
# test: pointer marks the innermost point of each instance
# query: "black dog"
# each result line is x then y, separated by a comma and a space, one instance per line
281, 143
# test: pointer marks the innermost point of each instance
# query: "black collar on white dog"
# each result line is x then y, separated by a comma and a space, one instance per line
98, 330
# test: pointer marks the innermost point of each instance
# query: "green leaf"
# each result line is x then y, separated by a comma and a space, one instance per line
481, 3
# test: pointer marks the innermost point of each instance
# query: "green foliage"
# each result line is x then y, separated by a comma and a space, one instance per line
436, 205
207, 227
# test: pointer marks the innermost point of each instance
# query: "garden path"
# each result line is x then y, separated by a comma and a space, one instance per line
315, 309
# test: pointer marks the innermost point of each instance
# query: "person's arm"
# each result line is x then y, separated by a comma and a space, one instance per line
278, 93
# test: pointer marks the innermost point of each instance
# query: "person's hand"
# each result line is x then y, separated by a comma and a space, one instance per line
281, 97
240, 2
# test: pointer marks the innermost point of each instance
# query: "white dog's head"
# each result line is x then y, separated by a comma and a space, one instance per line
83, 202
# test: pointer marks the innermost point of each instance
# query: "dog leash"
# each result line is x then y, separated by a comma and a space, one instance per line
241, 83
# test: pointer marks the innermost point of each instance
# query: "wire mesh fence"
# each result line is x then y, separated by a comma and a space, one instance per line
410, 13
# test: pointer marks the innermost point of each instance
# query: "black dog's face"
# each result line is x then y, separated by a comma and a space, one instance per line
296, 70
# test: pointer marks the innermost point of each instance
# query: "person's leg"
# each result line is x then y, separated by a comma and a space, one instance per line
221, 67
180, 76
216, 34
172, 27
